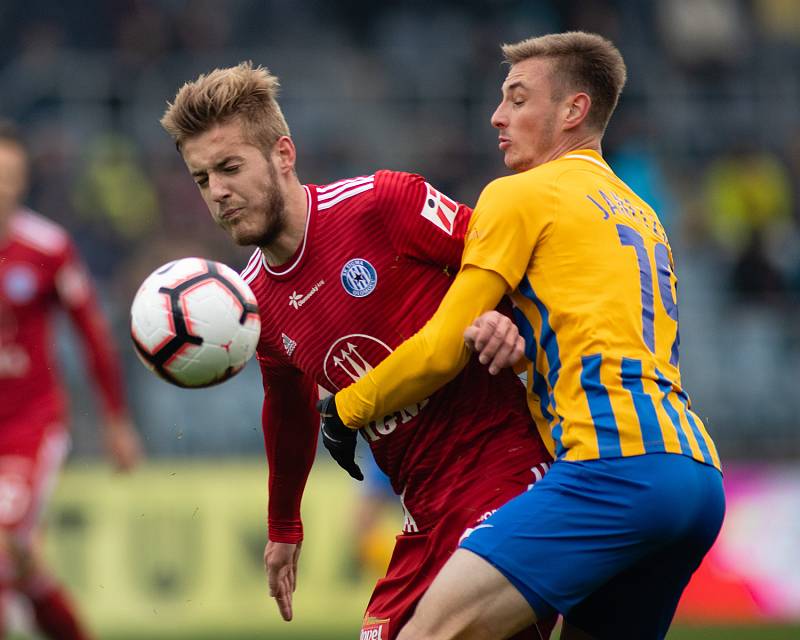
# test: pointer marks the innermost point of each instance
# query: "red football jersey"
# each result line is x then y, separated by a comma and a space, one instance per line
39, 273
378, 255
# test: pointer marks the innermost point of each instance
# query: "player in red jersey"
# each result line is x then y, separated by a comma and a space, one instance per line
40, 272
343, 273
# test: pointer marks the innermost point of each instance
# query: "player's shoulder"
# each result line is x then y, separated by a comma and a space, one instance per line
40, 233
517, 187
335, 193
399, 178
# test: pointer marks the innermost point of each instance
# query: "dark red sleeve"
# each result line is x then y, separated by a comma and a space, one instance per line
291, 424
421, 222
77, 295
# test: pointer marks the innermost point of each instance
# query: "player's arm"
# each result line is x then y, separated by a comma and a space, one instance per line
427, 360
290, 424
501, 238
77, 296
423, 223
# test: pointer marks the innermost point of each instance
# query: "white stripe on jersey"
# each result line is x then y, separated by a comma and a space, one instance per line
345, 195
302, 247
249, 272
333, 189
38, 232
539, 473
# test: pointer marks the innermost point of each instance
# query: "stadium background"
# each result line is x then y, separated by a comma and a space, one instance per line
708, 132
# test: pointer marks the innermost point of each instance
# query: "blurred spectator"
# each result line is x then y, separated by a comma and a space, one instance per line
115, 196
704, 32
749, 206
628, 147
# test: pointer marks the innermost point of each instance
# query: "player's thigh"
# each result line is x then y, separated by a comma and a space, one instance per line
584, 523
414, 563
27, 478
469, 600
647, 593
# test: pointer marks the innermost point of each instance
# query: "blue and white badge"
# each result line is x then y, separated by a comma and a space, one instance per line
19, 283
359, 277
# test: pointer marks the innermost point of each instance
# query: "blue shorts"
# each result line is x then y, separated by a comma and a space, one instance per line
610, 544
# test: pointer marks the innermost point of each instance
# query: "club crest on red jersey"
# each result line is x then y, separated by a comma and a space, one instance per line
19, 284
359, 277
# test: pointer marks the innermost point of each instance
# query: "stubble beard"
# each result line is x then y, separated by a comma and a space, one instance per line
272, 217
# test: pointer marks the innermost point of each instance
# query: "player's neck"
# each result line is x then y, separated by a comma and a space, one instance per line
577, 143
296, 212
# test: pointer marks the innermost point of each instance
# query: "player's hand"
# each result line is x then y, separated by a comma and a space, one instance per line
123, 444
338, 438
280, 562
496, 339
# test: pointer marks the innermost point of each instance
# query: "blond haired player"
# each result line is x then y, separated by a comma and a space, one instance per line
611, 536
342, 273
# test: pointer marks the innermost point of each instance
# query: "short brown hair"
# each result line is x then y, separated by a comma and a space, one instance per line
242, 92
581, 61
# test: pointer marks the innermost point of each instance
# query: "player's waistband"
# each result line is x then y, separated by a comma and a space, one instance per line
480, 495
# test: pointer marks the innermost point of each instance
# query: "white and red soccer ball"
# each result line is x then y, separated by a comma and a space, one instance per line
195, 322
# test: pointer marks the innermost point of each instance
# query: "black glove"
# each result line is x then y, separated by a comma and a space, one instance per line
338, 438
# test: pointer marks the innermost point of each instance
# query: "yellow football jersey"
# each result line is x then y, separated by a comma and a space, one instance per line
595, 292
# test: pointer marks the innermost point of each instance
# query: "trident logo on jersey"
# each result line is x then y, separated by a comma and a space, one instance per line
350, 358
440, 210
352, 362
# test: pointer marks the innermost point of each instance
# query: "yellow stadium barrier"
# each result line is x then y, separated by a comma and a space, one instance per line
178, 546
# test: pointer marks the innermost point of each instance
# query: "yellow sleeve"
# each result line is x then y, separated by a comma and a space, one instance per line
429, 359
512, 216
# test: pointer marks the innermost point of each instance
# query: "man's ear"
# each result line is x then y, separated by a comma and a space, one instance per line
284, 154
577, 111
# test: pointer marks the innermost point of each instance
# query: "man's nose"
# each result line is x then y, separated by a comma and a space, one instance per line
218, 188
499, 119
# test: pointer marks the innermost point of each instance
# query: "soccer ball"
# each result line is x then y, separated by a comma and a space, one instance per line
195, 322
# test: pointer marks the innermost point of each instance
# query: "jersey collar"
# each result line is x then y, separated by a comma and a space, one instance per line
293, 264
588, 155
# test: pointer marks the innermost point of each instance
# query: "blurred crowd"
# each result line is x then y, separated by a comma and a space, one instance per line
707, 132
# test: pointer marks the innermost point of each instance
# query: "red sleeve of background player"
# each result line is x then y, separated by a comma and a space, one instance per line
422, 222
291, 424
76, 294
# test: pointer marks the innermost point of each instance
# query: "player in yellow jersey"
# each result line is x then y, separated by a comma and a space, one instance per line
612, 534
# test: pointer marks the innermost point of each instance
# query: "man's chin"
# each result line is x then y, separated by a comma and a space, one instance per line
242, 239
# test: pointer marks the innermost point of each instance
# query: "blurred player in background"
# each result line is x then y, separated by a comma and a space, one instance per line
343, 273
40, 273
612, 534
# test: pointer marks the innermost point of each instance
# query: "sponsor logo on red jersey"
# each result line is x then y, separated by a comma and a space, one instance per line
439, 209
297, 300
375, 629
